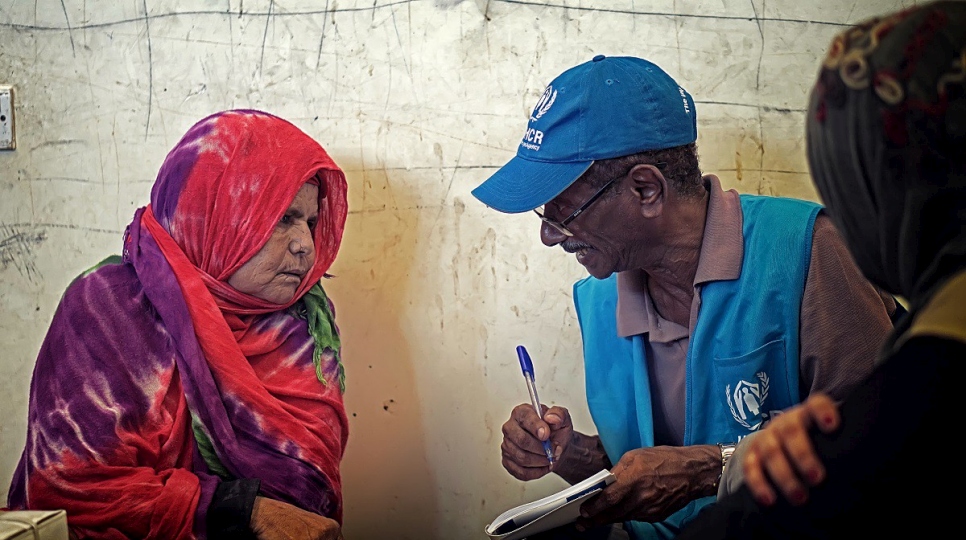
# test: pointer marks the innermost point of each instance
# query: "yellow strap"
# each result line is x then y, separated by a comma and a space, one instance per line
31, 525
945, 314
33, 519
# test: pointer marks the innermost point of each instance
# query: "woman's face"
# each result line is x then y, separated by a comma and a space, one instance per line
276, 271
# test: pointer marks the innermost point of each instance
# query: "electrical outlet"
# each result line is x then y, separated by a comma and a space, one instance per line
8, 139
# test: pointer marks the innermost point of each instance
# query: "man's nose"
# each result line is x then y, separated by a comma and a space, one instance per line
550, 236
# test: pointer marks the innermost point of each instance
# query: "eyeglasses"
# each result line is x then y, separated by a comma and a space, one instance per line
561, 226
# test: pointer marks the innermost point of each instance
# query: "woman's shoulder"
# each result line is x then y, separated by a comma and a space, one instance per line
110, 284
109, 266
99, 314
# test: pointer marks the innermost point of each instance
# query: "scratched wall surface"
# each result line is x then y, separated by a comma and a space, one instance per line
418, 101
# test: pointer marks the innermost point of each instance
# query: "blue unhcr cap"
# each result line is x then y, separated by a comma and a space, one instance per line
606, 108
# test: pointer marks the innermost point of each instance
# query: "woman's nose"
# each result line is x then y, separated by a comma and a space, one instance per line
550, 236
302, 242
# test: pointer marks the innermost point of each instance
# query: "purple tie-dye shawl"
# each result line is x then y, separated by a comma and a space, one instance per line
141, 348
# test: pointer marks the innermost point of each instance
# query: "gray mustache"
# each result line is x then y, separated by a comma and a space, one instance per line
573, 247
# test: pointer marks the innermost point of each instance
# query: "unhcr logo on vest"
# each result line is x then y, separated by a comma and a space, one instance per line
747, 401
533, 138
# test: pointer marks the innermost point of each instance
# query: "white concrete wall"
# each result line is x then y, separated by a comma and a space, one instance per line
418, 101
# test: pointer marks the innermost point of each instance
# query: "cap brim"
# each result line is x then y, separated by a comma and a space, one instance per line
522, 184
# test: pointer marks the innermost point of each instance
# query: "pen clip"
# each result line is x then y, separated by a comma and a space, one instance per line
525, 364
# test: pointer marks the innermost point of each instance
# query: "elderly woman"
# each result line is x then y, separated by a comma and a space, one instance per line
193, 388
887, 148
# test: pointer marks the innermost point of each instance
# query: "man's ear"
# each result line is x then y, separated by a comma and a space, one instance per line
650, 188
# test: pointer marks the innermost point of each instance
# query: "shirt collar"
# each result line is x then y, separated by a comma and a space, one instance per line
722, 250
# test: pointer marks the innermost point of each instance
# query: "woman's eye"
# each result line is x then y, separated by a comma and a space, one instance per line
286, 219
312, 223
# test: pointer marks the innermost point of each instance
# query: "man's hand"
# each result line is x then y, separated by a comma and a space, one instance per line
275, 520
523, 436
781, 455
653, 483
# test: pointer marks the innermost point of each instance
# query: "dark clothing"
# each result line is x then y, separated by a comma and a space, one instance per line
886, 127
230, 511
885, 133
882, 471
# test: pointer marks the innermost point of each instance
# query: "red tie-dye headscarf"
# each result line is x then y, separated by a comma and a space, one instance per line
157, 377
223, 188
218, 197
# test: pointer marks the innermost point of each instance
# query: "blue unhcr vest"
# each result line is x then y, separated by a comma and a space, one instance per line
743, 357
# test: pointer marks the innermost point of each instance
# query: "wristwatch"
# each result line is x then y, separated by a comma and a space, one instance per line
727, 450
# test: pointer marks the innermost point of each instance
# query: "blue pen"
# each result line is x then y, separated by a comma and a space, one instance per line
527, 366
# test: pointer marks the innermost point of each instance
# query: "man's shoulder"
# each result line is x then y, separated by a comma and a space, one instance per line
825, 231
774, 202
779, 218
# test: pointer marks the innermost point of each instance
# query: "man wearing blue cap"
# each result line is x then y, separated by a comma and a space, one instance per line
706, 312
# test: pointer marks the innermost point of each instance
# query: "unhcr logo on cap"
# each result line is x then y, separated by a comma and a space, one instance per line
609, 106
546, 101
533, 138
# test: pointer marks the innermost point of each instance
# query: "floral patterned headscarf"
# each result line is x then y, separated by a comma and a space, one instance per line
886, 136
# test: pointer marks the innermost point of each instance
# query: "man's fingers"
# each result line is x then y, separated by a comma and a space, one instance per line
559, 440
609, 496
525, 473
609, 506
593, 506
558, 417
524, 457
521, 464
616, 513
520, 436
527, 418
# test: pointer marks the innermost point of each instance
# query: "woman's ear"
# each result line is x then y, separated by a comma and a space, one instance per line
650, 188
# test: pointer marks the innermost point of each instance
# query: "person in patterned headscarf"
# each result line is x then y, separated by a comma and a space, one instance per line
193, 387
887, 147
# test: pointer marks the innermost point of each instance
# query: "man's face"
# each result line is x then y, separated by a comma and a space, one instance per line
606, 236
